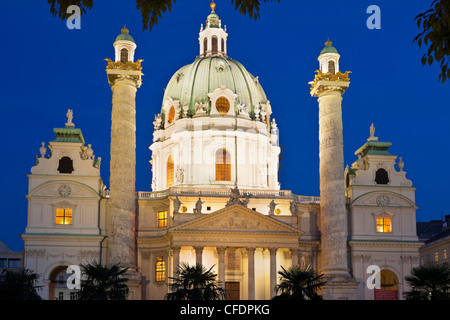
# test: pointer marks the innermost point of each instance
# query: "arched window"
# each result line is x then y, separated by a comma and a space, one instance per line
388, 286
124, 55
381, 176
171, 115
331, 67
65, 165
214, 45
205, 45
223, 165
222, 105
160, 269
223, 45
169, 180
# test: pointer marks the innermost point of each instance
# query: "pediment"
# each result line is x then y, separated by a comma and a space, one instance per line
237, 219
65, 189
383, 199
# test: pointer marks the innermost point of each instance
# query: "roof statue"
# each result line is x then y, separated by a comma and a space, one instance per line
69, 116
372, 133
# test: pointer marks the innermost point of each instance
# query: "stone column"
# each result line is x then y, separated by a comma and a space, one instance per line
251, 273
294, 255
221, 266
121, 214
122, 203
273, 271
333, 211
176, 258
198, 255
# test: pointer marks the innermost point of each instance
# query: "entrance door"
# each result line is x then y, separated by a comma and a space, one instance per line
232, 290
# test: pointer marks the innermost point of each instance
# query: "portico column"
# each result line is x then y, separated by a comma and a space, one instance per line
198, 255
273, 270
294, 254
251, 273
221, 272
176, 258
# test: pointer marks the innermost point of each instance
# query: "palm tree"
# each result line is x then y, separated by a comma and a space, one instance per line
19, 285
194, 283
103, 283
429, 282
299, 283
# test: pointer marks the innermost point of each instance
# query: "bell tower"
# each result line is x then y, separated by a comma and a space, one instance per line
329, 85
124, 77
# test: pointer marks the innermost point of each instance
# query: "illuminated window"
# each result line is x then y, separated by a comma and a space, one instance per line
436, 256
222, 105
223, 165
162, 219
124, 55
160, 269
444, 254
171, 114
63, 216
169, 181
384, 225
388, 280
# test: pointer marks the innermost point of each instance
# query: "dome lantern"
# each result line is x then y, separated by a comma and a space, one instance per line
213, 38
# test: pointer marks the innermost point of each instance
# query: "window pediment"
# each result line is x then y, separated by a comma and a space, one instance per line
217, 101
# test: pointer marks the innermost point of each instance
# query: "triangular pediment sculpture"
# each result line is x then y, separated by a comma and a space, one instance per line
239, 219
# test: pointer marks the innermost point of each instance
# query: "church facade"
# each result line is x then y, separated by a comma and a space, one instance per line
216, 198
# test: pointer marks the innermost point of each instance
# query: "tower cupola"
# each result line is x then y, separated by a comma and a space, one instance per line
124, 46
329, 59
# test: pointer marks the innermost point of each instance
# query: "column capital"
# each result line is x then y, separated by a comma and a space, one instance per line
324, 82
250, 249
221, 250
176, 248
133, 76
198, 248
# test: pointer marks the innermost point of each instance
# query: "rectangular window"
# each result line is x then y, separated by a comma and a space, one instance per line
384, 225
162, 219
160, 269
3, 263
436, 256
444, 254
63, 216
14, 263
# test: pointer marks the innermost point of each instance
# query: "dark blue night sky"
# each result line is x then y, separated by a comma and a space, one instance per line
47, 69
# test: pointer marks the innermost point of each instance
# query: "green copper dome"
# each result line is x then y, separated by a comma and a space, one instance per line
124, 35
193, 82
328, 48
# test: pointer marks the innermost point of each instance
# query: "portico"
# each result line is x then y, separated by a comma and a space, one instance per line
244, 246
